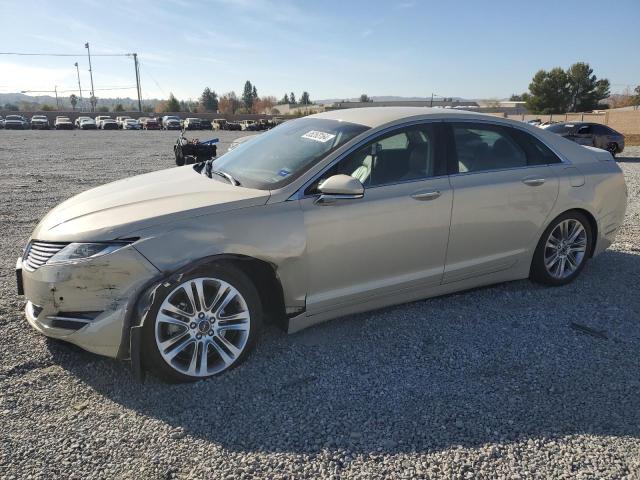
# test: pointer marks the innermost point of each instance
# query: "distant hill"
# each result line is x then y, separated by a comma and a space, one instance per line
30, 101
387, 98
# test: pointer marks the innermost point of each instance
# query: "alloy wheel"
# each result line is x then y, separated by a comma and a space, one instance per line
565, 248
202, 327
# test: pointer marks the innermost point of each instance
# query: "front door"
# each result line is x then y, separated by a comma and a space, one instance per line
394, 239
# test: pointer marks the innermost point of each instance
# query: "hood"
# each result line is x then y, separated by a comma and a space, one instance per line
117, 209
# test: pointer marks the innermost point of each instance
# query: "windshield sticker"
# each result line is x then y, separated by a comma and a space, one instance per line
318, 136
284, 172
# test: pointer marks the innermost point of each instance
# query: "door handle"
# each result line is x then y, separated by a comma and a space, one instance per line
424, 196
533, 182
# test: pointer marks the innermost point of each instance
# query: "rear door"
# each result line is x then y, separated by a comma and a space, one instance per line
503, 194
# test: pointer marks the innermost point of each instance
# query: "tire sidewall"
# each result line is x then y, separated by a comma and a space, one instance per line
153, 360
539, 272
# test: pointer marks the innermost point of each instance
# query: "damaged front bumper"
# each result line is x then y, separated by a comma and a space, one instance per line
87, 302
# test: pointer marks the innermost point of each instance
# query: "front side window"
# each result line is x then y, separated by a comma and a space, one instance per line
275, 158
584, 130
401, 156
482, 147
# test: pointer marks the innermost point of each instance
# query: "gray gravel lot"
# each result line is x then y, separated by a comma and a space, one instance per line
489, 383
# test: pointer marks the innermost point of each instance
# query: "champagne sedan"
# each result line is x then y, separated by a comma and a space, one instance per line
321, 217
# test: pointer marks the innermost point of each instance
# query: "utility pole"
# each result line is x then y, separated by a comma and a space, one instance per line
93, 107
135, 62
55, 89
79, 87
431, 105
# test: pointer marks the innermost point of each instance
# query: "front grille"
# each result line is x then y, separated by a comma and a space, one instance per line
39, 253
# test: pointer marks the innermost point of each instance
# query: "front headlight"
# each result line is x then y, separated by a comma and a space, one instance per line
84, 251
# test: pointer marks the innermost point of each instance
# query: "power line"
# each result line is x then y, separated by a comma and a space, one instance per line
75, 90
66, 54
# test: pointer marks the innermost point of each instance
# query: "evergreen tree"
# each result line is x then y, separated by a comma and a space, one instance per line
305, 99
247, 95
209, 100
172, 104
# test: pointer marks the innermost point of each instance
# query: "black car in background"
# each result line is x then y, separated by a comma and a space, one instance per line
591, 135
205, 124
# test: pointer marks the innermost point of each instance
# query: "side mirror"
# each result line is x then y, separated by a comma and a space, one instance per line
339, 187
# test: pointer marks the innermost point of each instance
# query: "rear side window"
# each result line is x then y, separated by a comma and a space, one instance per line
537, 152
482, 147
602, 130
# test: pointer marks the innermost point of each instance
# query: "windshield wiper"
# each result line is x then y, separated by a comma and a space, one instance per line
228, 176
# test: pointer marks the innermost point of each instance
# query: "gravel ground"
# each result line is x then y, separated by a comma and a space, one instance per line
489, 383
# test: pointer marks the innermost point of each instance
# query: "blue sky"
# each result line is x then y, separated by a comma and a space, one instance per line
333, 49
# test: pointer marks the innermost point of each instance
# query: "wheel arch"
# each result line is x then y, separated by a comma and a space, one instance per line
592, 223
262, 273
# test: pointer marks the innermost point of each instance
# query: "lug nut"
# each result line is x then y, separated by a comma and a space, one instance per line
198, 336
193, 325
211, 333
201, 315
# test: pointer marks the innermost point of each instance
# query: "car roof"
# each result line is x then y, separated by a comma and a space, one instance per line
376, 116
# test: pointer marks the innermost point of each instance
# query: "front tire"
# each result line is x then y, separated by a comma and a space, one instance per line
203, 326
563, 250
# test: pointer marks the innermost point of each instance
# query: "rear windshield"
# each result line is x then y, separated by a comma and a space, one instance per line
275, 158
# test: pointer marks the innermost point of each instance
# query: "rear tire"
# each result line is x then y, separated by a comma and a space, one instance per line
563, 250
203, 326
612, 148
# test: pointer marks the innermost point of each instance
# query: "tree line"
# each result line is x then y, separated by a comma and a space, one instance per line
231, 103
576, 89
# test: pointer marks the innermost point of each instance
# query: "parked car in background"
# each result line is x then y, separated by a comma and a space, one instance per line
150, 123
100, 118
63, 123
591, 135
86, 123
15, 122
1, 122
248, 125
40, 122
264, 124
327, 215
130, 124
171, 122
205, 124
191, 124
220, 124
535, 122
234, 126
120, 120
108, 124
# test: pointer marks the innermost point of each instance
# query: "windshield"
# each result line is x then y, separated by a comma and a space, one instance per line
13, 117
275, 158
560, 128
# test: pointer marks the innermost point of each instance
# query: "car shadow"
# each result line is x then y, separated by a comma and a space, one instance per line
621, 159
497, 364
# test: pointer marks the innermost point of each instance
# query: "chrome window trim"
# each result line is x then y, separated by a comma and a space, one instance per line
299, 194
